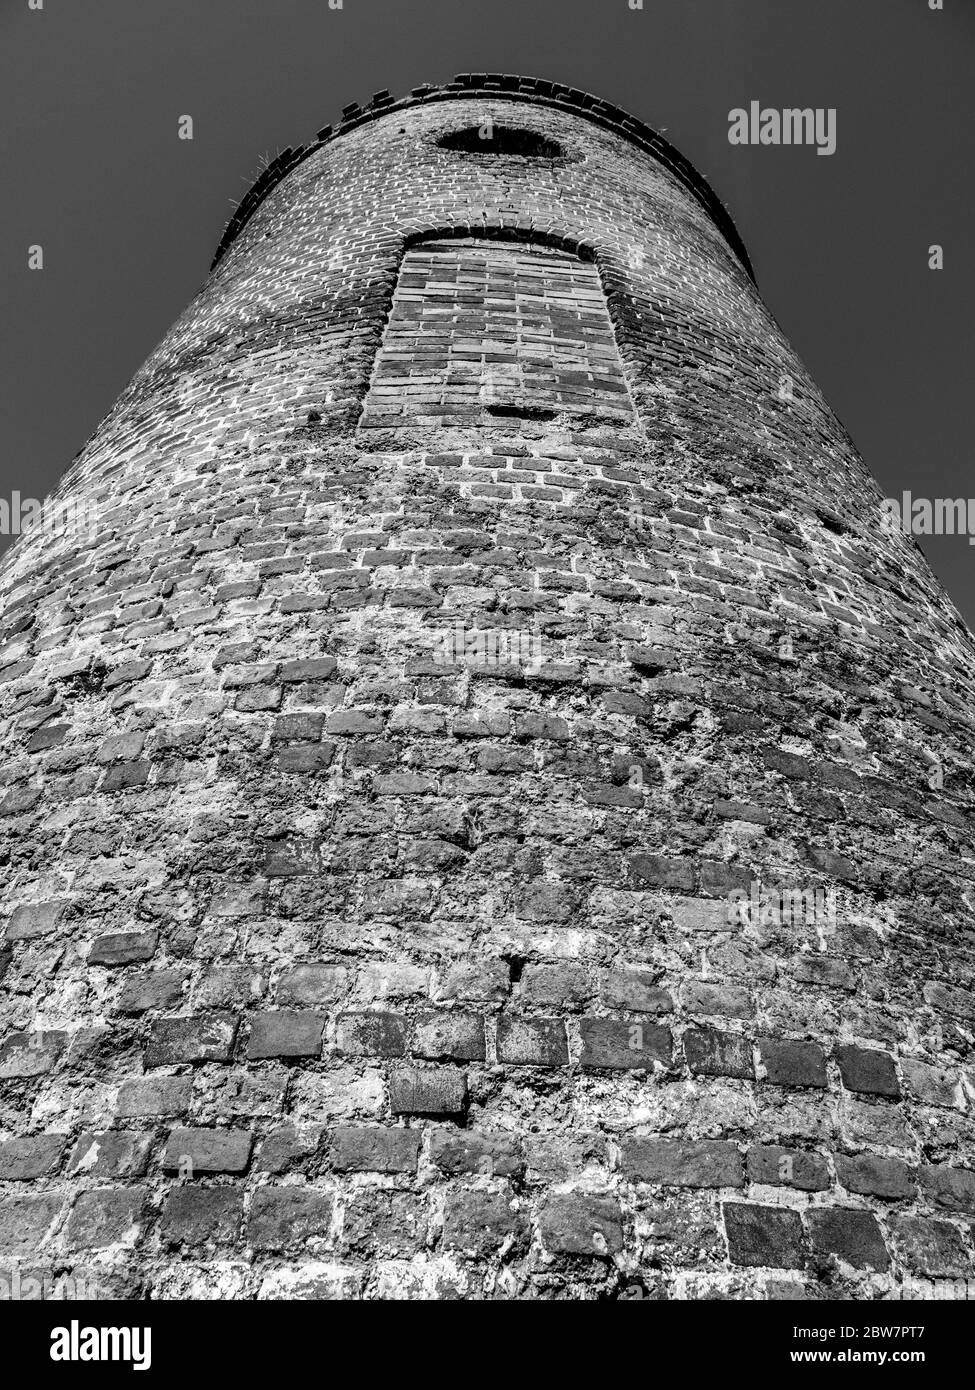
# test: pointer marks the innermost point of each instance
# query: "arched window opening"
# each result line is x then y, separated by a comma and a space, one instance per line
501, 140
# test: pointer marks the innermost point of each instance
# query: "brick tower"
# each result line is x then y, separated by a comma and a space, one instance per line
487, 811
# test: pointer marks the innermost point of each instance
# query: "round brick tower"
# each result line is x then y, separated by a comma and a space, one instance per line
486, 809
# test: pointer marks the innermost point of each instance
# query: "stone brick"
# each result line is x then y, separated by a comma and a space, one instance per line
683, 1162
824, 970
21, 1160
374, 1149
493, 1154
383, 1222
106, 1217
951, 1188
25, 1055
867, 1071
161, 1096
229, 986
123, 948
635, 990
535, 1042
788, 1062
33, 920
852, 1236
777, 1167
932, 1085
195, 1216
874, 1176
283, 1217
113, 1153
658, 871
934, 1249
206, 1038
560, 985
435, 1091
766, 1237
371, 1035
286, 1033
191, 1152
729, 1001
27, 1222
312, 984
636, 1044
152, 989
713, 1053
287, 1146
477, 982
580, 1224
480, 1223
453, 1036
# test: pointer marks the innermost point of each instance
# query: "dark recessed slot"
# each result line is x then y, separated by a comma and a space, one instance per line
521, 412
499, 139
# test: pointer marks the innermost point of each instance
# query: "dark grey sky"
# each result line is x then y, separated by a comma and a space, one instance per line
129, 216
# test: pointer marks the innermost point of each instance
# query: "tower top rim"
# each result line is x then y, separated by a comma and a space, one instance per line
507, 87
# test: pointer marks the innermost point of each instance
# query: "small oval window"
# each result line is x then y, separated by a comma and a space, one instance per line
499, 139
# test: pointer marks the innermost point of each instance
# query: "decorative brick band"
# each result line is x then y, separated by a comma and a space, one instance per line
511, 88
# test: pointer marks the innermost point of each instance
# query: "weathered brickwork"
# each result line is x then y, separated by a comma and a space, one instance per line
399, 795
479, 330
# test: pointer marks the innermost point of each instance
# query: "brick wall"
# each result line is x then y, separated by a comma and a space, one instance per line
385, 802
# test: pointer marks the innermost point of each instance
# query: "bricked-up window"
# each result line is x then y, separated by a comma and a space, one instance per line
489, 332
